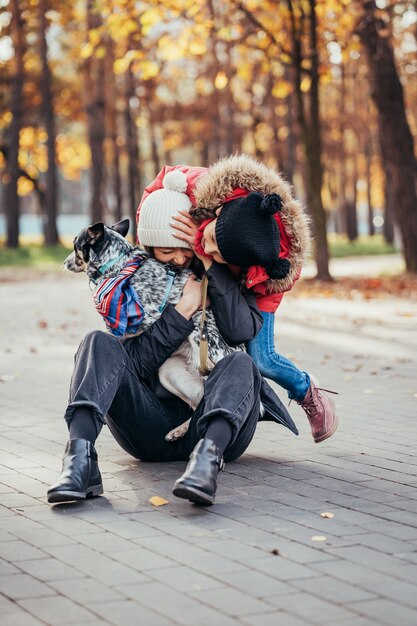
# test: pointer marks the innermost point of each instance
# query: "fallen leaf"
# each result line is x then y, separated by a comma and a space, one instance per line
318, 538
157, 501
275, 551
327, 514
42, 324
5, 378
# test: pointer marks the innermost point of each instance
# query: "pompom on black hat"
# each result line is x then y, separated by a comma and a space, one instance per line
247, 233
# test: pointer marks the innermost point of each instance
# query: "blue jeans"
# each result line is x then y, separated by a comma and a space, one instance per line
273, 365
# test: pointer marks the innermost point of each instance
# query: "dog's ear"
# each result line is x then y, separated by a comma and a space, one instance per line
122, 227
95, 232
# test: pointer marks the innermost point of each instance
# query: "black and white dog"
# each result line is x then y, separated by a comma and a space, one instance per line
102, 252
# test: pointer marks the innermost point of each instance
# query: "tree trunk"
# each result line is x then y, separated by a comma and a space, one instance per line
350, 208
368, 155
343, 199
215, 148
388, 213
47, 113
132, 145
152, 127
291, 140
395, 136
112, 126
95, 92
311, 137
11, 176
229, 139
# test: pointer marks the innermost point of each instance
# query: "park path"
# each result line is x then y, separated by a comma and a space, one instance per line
263, 555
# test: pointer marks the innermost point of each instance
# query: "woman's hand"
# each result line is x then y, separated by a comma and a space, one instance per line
185, 228
190, 300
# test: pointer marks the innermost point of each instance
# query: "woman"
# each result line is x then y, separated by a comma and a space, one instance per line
116, 382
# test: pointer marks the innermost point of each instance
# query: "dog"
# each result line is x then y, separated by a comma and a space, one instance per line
101, 252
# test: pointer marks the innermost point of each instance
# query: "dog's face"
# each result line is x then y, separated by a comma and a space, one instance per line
96, 245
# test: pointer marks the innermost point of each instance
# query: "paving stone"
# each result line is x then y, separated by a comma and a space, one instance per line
85, 591
58, 610
185, 579
272, 619
310, 608
20, 586
386, 612
233, 602
129, 613
249, 560
254, 583
49, 569
16, 551
19, 617
281, 568
332, 590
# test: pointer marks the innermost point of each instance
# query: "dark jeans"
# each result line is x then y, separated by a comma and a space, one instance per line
105, 380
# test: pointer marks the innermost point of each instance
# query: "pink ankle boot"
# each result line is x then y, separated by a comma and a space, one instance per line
320, 410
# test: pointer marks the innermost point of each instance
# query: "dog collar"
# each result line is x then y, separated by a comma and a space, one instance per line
101, 270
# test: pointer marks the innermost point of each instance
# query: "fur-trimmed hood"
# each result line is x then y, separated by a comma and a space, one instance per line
244, 172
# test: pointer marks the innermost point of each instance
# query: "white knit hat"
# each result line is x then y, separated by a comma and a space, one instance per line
159, 208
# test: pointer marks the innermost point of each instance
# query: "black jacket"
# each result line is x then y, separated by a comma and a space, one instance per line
238, 320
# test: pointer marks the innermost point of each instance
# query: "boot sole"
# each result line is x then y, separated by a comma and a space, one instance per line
192, 494
70, 496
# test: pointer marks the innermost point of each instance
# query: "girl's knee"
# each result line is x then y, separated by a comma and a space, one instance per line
99, 341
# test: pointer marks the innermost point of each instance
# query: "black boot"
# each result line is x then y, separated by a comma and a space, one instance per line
199, 481
80, 477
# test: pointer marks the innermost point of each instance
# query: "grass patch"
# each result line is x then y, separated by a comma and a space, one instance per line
340, 246
33, 255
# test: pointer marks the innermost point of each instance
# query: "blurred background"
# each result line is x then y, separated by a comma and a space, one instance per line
97, 95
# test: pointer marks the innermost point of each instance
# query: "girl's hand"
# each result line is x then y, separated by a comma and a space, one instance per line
190, 300
185, 228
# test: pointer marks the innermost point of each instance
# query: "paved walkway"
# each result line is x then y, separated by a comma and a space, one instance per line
264, 554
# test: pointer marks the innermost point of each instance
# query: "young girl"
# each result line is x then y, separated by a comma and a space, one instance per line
227, 184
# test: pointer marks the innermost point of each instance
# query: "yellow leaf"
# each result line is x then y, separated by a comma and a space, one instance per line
150, 69
318, 538
120, 66
86, 51
281, 89
198, 47
327, 515
94, 36
221, 80
158, 501
150, 18
25, 186
305, 84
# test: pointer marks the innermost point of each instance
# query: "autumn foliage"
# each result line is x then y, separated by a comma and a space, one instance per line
109, 91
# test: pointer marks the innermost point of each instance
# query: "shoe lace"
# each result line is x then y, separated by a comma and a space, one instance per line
312, 404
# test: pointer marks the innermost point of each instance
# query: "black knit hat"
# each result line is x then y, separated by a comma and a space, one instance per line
247, 233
